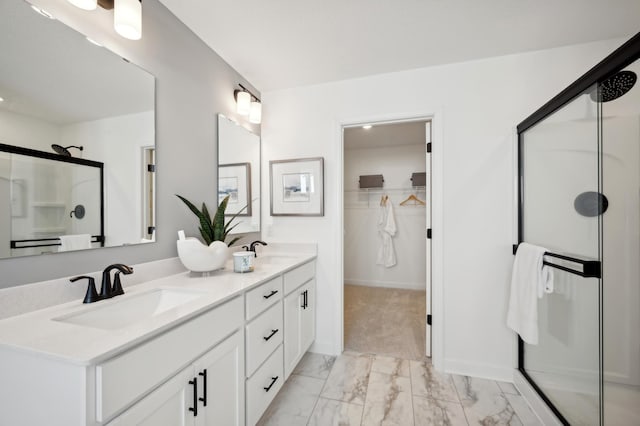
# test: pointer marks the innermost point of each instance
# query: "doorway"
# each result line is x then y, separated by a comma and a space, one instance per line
387, 252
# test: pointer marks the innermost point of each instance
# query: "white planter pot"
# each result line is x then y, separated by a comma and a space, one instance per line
197, 257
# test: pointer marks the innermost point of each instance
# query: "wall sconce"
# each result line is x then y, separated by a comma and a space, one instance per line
127, 15
248, 104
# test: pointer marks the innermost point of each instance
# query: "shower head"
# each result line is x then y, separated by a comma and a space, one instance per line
615, 86
64, 150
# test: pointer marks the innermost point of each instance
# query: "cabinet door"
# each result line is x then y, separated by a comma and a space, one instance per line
308, 316
292, 322
220, 375
168, 405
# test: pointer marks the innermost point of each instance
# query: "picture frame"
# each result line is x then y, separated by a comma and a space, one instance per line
297, 187
235, 180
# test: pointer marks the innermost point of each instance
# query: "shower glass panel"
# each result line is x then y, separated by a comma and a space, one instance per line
560, 172
621, 249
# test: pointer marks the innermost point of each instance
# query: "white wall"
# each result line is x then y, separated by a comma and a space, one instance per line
361, 240
479, 105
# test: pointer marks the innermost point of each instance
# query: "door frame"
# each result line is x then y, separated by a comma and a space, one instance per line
435, 115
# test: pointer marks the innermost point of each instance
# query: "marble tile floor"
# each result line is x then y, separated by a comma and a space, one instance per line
385, 321
364, 389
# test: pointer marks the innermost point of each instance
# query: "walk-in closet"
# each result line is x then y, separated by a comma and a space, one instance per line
386, 210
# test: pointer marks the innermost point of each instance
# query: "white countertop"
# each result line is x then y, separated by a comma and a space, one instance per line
38, 332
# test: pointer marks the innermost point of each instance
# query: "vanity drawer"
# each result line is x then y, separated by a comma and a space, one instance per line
263, 386
263, 296
125, 378
264, 334
296, 277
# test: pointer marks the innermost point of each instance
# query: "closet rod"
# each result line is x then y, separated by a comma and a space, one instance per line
590, 268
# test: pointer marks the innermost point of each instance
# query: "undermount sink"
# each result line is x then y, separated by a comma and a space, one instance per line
131, 309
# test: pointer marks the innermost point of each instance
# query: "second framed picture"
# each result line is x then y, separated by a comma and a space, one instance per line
297, 187
234, 180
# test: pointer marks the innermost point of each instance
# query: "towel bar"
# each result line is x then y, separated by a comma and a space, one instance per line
590, 268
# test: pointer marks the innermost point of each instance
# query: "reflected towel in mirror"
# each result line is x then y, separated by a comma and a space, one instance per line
75, 242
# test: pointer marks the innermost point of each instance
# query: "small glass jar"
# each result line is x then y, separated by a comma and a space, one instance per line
243, 261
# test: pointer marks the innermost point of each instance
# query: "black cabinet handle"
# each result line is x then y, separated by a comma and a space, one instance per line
273, 380
304, 300
273, 332
194, 409
204, 387
266, 296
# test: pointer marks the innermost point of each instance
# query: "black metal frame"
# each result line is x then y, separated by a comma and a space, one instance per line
12, 149
626, 54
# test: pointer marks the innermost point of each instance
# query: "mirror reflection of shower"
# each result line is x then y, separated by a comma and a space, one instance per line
64, 150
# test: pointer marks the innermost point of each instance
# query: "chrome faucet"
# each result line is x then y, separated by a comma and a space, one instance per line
252, 246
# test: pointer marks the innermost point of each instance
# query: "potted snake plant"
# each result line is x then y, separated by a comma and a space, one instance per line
213, 254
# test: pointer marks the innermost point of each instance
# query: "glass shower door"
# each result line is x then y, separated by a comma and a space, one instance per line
560, 187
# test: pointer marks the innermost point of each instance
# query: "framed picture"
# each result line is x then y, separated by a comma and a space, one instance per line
297, 187
235, 180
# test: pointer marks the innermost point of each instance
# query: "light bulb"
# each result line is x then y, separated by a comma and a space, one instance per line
84, 4
244, 101
255, 112
127, 18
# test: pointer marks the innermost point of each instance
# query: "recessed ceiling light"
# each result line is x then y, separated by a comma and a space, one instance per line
1, 99
92, 41
42, 12
366, 126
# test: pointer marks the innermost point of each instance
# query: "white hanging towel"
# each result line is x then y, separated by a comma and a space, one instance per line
386, 229
74, 242
529, 281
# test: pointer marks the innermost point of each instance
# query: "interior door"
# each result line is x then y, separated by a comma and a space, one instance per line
428, 232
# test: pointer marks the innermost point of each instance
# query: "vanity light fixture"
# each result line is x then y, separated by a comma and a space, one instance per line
255, 112
367, 126
248, 104
127, 18
84, 4
127, 15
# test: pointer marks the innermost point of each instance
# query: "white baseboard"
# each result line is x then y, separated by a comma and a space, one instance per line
387, 284
483, 371
538, 406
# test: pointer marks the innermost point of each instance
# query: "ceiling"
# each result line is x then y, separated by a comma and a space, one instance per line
51, 72
278, 44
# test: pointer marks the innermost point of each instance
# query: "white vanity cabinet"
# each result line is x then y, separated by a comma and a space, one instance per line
299, 315
208, 392
217, 362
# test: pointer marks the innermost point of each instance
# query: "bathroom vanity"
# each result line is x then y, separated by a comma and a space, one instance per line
181, 350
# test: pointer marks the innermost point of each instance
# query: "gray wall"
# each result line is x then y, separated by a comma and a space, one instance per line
193, 84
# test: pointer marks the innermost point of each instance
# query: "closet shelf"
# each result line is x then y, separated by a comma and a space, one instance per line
386, 190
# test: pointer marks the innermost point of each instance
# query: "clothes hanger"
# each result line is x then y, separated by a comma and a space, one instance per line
413, 198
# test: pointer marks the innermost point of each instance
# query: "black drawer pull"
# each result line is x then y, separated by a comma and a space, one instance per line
273, 380
204, 387
194, 409
270, 294
273, 332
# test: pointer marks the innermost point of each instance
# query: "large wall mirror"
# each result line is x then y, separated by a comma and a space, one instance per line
239, 174
77, 140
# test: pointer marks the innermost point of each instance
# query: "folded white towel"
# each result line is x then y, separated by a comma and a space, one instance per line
75, 242
529, 281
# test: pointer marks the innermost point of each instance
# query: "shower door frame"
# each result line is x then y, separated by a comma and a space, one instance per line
626, 54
